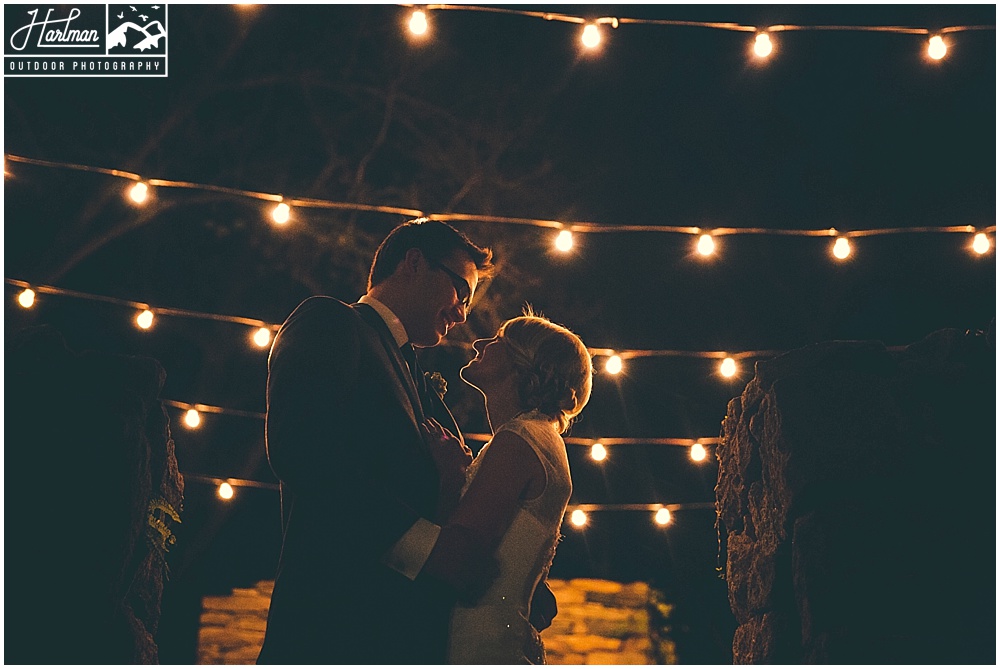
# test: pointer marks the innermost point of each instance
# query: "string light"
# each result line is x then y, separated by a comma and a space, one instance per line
936, 48
145, 319
577, 226
613, 365
762, 46
728, 368
578, 516
26, 298
596, 352
591, 36
706, 245
598, 452
192, 418
841, 248
281, 213
981, 244
139, 192
564, 241
418, 22
698, 452
262, 337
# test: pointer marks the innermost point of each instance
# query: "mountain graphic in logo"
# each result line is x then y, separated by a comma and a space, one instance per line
136, 29
151, 38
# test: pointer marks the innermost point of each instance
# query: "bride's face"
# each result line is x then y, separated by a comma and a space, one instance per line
492, 365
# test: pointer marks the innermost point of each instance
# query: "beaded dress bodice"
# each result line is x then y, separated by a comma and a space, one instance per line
496, 629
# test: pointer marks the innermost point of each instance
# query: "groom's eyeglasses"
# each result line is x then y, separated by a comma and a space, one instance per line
462, 289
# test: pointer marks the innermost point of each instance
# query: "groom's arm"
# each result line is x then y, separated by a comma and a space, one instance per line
315, 443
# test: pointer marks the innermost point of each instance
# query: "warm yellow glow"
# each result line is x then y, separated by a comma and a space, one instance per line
281, 213
706, 245
841, 248
418, 22
145, 319
591, 36
762, 46
598, 452
226, 491
662, 516
936, 48
139, 192
698, 452
613, 365
192, 418
981, 243
27, 298
578, 518
728, 368
564, 241
262, 337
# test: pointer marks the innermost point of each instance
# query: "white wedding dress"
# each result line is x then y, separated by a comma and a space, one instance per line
496, 630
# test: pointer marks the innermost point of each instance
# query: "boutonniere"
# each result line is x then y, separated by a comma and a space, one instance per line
436, 383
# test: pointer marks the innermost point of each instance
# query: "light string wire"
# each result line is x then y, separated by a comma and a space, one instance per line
572, 226
476, 436
585, 507
614, 22
253, 322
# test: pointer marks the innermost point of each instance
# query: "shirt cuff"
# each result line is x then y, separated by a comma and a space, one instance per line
410, 553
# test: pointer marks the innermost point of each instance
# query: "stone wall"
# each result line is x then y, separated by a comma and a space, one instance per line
856, 493
599, 622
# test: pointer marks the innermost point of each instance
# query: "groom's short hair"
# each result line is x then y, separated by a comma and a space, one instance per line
435, 239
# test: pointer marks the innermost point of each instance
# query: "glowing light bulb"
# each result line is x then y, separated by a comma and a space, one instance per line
598, 452
662, 516
281, 213
418, 22
145, 319
578, 518
262, 337
613, 365
139, 192
591, 36
226, 491
936, 48
564, 241
698, 452
192, 418
706, 245
762, 46
27, 298
981, 243
728, 368
841, 248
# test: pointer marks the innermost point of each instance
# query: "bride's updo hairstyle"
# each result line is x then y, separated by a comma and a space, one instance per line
553, 367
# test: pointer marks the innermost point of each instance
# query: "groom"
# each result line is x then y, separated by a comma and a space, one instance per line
359, 488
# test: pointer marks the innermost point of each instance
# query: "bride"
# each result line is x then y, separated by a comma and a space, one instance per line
536, 377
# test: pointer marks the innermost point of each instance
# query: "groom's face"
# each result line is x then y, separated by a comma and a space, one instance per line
446, 288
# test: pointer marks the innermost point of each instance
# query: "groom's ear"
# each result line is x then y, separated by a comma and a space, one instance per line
412, 260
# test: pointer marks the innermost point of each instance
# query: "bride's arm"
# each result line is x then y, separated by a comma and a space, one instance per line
463, 555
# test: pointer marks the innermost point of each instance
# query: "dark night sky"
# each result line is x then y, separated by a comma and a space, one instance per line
502, 115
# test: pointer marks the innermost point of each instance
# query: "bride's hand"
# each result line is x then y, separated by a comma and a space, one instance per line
451, 456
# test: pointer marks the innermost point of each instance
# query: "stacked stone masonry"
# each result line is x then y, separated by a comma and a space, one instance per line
599, 622
856, 496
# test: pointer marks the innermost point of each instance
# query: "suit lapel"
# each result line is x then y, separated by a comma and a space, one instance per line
370, 316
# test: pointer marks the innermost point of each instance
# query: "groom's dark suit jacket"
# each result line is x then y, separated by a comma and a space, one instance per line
343, 439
